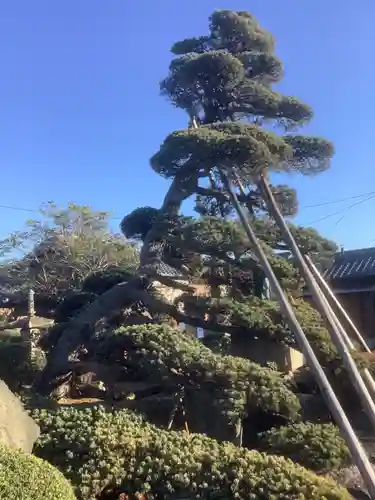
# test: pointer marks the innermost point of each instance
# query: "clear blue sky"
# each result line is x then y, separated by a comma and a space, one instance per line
81, 112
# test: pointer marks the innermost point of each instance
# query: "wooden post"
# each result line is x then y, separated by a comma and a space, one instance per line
325, 287
338, 333
368, 378
354, 445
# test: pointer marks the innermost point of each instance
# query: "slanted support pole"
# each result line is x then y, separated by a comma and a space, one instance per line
355, 447
338, 334
325, 287
368, 378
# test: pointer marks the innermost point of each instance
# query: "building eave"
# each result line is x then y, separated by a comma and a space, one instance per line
345, 291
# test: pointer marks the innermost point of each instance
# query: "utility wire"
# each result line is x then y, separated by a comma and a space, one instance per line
339, 212
35, 211
369, 195
331, 202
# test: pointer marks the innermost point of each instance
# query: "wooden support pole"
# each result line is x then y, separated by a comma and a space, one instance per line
325, 287
354, 445
338, 333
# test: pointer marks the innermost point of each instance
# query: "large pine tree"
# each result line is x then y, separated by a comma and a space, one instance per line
224, 81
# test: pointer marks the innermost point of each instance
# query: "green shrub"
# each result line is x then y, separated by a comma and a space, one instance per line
316, 446
235, 387
217, 343
263, 318
24, 476
10, 335
98, 450
15, 368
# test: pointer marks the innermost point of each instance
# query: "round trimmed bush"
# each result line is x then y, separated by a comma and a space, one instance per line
25, 476
100, 450
316, 446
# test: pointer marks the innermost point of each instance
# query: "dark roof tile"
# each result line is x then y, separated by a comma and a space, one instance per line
169, 271
163, 269
352, 264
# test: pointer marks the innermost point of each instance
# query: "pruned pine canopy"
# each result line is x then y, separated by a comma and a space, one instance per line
225, 76
247, 148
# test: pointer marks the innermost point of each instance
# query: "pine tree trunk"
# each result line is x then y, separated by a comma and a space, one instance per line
81, 327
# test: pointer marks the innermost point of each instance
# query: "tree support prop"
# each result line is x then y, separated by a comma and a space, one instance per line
325, 287
327, 292
179, 405
355, 447
339, 336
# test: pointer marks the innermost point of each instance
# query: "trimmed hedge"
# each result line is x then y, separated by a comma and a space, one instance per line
316, 446
264, 318
24, 476
235, 386
98, 450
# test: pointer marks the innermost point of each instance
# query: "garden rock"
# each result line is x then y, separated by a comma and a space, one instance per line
17, 428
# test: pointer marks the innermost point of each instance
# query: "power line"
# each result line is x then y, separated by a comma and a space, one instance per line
19, 209
369, 195
339, 212
31, 210
331, 202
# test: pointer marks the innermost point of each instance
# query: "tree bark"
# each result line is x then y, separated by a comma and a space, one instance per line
179, 190
81, 328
